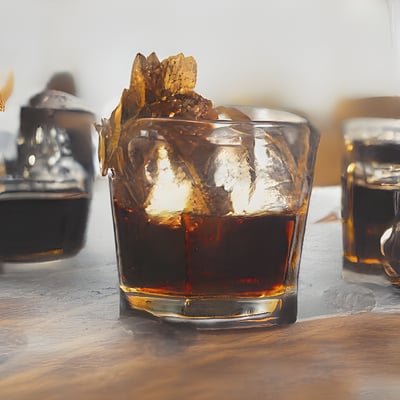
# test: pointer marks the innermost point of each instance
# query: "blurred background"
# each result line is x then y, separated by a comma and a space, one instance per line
328, 59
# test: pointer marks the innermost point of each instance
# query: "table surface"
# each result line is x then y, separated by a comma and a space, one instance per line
61, 335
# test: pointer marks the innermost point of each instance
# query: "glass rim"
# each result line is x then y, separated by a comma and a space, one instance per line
372, 129
370, 123
257, 116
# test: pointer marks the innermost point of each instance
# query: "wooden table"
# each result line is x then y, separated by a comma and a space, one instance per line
61, 336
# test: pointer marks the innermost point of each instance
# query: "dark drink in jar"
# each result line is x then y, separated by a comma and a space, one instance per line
370, 189
41, 228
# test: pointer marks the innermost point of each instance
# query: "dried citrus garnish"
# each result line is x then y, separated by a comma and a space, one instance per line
157, 89
6, 90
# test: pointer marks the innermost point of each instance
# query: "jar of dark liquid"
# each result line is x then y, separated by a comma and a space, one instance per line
45, 194
370, 189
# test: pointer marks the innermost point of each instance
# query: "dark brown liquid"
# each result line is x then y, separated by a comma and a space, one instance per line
205, 255
367, 212
42, 229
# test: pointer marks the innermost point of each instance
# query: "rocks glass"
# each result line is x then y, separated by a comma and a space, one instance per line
209, 216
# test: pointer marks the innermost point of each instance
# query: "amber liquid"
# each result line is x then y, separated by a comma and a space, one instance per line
41, 229
205, 255
367, 212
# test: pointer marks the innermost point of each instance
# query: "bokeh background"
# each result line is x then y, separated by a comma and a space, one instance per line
319, 57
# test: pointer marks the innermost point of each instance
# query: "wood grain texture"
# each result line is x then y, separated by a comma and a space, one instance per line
61, 336
332, 358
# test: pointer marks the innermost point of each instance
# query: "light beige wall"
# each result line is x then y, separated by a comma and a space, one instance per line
300, 54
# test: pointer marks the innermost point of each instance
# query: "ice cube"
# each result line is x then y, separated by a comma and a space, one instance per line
254, 173
170, 191
277, 172
232, 173
231, 114
225, 136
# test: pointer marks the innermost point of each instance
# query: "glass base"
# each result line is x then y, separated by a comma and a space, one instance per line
392, 274
364, 273
213, 312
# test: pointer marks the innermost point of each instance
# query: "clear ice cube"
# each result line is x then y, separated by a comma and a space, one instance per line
255, 174
214, 168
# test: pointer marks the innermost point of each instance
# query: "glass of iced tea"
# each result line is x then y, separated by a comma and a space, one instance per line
209, 203
209, 216
370, 191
